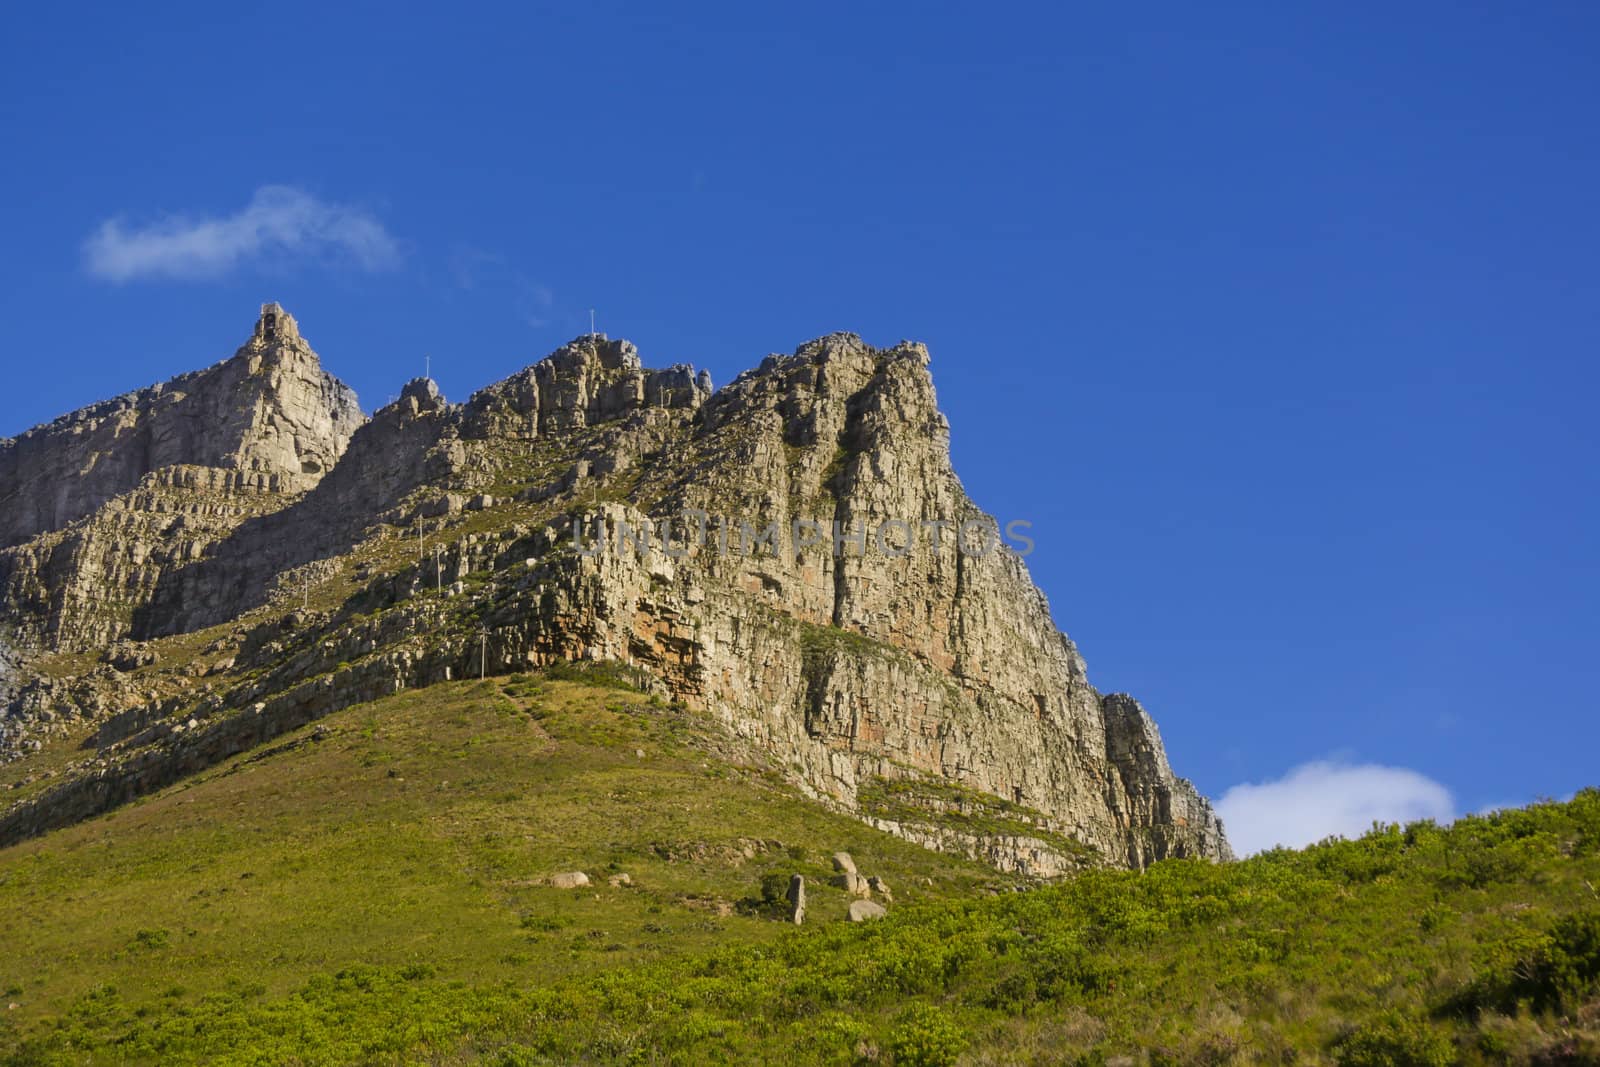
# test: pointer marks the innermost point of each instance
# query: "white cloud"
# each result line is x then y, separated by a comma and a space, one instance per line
1323, 798
279, 220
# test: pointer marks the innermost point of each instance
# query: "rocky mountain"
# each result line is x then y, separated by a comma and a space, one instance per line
270, 414
97, 505
198, 567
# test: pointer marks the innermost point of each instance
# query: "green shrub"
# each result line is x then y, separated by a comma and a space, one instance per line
1547, 972
1564, 967
774, 888
926, 1037
1394, 1040
152, 939
518, 1056
608, 674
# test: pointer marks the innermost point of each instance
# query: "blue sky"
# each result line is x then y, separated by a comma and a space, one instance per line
1279, 325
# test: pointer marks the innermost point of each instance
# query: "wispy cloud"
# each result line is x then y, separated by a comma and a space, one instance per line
279, 220
1326, 798
534, 302
470, 267
495, 275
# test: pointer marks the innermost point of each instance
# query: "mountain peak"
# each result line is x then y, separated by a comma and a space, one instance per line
276, 324
270, 410
792, 555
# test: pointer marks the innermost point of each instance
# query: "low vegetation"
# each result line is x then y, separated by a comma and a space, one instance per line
376, 893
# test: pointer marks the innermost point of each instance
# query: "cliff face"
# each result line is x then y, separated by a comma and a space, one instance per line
791, 554
97, 505
270, 413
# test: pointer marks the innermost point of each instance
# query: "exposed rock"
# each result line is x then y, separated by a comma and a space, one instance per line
130, 657
863, 910
846, 664
881, 888
796, 896
448, 504
110, 499
620, 881
843, 862
569, 880
269, 414
852, 883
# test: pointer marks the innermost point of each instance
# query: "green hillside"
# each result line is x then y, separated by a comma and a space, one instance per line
372, 890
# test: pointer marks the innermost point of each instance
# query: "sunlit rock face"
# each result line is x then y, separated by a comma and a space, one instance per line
97, 506
791, 554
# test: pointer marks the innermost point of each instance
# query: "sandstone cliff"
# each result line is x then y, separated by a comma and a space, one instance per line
270, 413
97, 505
903, 670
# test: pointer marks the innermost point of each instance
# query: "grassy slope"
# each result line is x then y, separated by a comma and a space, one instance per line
369, 896
413, 836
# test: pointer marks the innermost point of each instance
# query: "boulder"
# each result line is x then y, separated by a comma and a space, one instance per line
843, 862
797, 899
448, 504
852, 883
569, 880
863, 910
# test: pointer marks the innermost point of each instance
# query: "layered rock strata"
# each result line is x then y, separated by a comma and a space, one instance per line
792, 555
98, 505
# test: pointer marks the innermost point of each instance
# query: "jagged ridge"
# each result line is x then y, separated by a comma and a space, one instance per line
844, 671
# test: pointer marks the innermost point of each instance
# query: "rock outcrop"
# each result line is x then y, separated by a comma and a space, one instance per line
866, 910
270, 416
569, 880
98, 505
791, 555
796, 897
